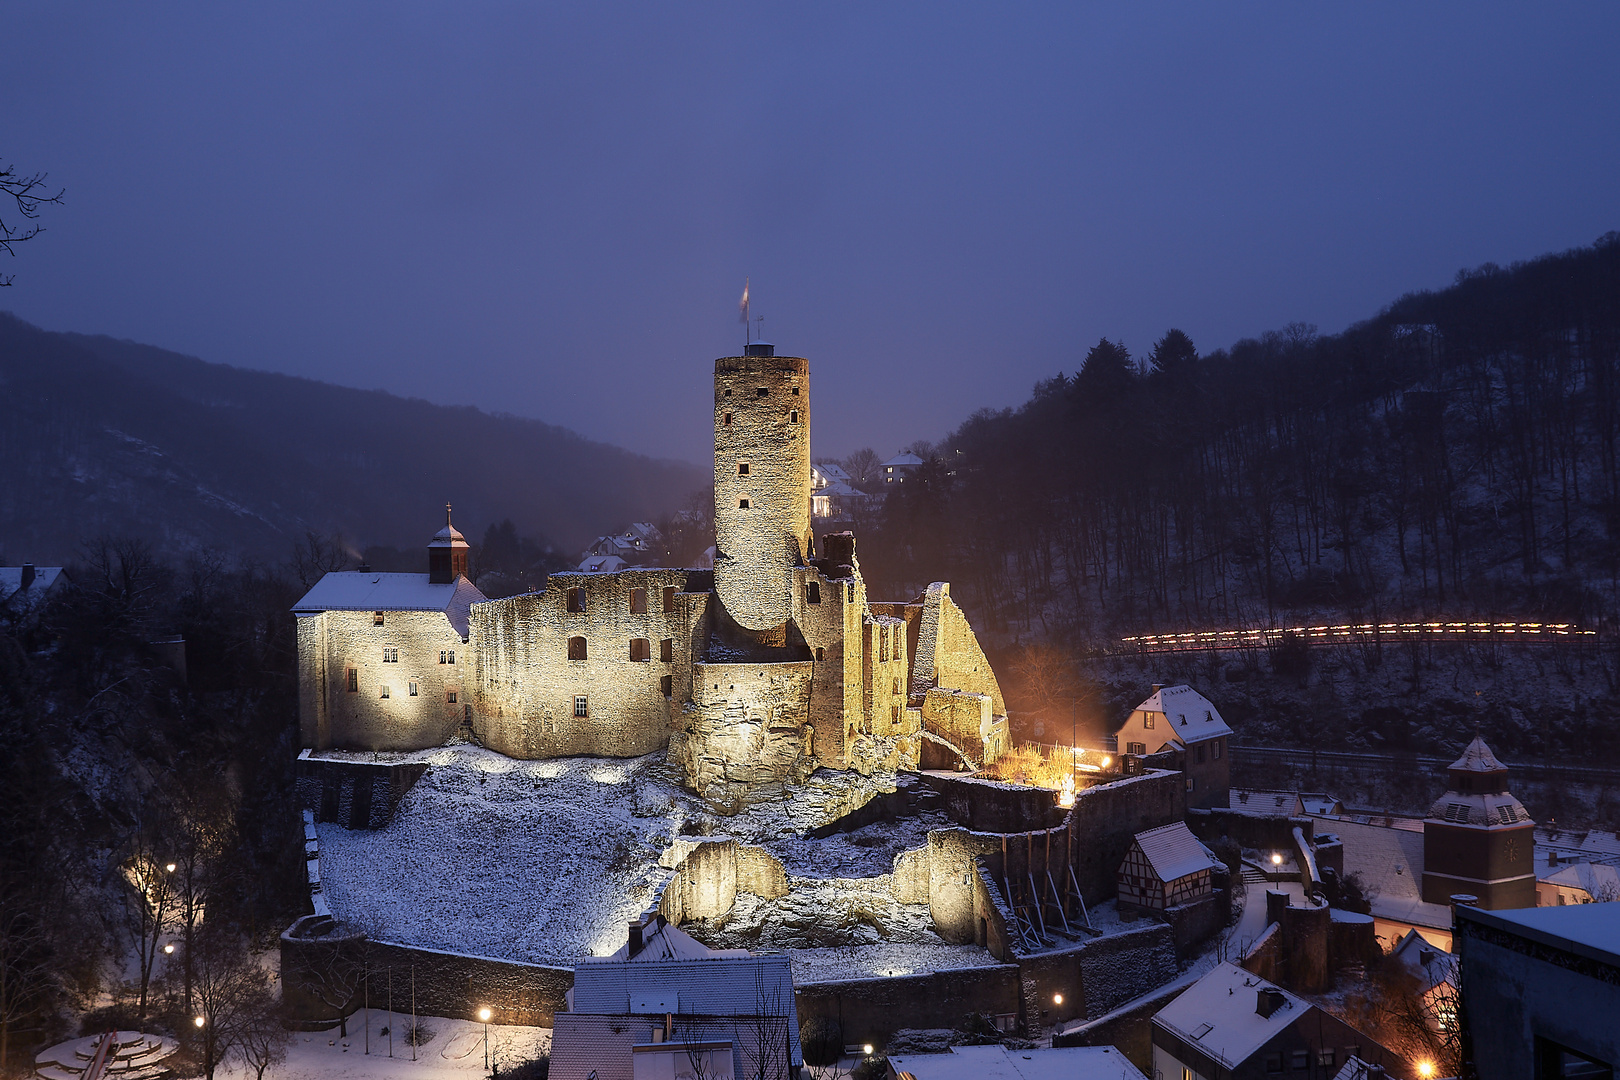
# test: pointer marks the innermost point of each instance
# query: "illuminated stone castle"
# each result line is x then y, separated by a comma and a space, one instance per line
755, 673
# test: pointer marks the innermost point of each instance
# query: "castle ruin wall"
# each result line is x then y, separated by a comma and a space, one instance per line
405, 651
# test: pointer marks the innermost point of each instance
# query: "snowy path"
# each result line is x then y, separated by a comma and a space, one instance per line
456, 1051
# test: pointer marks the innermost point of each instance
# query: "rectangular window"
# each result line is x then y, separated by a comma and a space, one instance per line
640, 649
1189, 783
354, 680
450, 696
1217, 750
1325, 1057
638, 601
894, 714
441, 656
793, 417
725, 418
413, 689
385, 692
742, 504
1274, 1062
742, 468
669, 599
390, 654
821, 654
1135, 748
452, 656
795, 391
576, 648
666, 651
1302, 1059
581, 705
763, 391
576, 600
376, 618
728, 392
812, 592
1147, 720
667, 685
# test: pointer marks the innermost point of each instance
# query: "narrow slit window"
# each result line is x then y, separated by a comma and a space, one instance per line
441, 656
821, 654
581, 705
812, 593
640, 649
725, 420
669, 599
894, 714
576, 600
452, 656
413, 690
793, 416
666, 651
576, 648
354, 680
896, 690
667, 685
638, 601
450, 696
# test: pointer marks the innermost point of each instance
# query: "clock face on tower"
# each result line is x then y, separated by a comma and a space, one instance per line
1511, 850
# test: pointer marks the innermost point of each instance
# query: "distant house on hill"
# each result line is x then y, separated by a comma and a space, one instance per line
1165, 867
26, 588
601, 564
1578, 883
823, 473
1180, 719
900, 467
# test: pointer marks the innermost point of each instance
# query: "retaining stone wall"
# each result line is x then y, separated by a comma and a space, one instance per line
871, 1010
355, 794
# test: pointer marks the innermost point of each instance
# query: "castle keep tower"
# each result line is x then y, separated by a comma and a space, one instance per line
761, 483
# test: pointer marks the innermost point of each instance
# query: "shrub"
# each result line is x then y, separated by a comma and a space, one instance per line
822, 1040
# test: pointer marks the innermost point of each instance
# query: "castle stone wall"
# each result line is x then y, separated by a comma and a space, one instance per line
747, 725
333, 717
525, 683
761, 422
948, 652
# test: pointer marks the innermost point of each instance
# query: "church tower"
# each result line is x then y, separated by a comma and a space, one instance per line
1478, 839
447, 554
761, 483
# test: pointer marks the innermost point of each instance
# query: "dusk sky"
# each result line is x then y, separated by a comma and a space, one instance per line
550, 211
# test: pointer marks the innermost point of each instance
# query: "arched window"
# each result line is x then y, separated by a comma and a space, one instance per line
576, 648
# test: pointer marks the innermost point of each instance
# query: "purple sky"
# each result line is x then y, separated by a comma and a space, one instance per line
550, 211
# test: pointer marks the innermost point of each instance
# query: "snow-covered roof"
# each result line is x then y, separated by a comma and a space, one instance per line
830, 471
1597, 880
1174, 852
1354, 1069
665, 942
840, 489
1410, 951
447, 537
1478, 758
601, 1046
602, 564
1319, 803
996, 1062
1191, 715
1488, 810
1217, 1014
902, 461
715, 986
11, 590
1589, 930
1286, 803
1389, 862
366, 590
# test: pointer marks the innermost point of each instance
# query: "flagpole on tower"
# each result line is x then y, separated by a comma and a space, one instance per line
742, 313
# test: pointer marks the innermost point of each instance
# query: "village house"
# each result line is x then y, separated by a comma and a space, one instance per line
1232, 1025
1165, 867
899, 468
1578, 883
25, 588
1181, 720
997, 1062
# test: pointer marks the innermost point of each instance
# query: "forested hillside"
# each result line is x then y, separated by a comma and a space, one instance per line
105, 437
1454, 455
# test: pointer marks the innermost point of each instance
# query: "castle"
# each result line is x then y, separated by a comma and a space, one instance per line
753, 674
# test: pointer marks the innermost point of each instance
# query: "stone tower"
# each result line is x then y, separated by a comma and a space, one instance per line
447, 554
761, 483
1479, 839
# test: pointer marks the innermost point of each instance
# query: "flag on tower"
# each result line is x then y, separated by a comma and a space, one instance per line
742, 305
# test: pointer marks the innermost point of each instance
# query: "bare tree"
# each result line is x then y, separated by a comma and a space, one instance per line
317, 555
768, 1046
862, 467
264, 1042
330, 968
25, 968
202, 833
28, 192
231, 993
149, 905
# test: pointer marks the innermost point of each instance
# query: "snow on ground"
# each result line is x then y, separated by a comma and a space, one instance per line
885, 959
456, 1051
542, 861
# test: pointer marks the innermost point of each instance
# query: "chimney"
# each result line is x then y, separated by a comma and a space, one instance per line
1157, 687
1268, 1001
27, 576
635, 939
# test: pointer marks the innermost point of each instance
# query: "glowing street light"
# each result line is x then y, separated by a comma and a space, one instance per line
168, 950
1425, 1069
1276, 858
867, 1049
169, 867
199, 1021
1057, 999
484, 1015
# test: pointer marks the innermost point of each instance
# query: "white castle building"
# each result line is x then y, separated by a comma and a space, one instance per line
757, 672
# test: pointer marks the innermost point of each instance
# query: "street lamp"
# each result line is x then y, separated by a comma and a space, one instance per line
1276, 858
1057, 999
1425, 1069
168, 950
199, 1021
484, 1015
169, 867
867, 1049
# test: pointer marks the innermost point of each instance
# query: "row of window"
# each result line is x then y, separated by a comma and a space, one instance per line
1301, 1059
793, 418
763, 391
640, 649
386, 691
391, 655
578, 602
